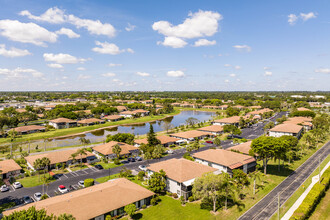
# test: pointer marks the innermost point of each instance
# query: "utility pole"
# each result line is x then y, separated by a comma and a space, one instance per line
319, 169
278, 207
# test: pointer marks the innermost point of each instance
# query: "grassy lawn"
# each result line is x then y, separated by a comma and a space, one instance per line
78, 167
108, 165
323, 209
106, 178
32, 181
170, 208
69, 131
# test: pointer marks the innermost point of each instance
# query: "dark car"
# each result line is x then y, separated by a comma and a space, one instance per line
98, 166
124, 161
27, 199
138, 158
131, 159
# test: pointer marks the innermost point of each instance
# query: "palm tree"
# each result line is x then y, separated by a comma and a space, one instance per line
73, 157
116, 149
12, 136
37, 164
256, 175
81, 152
45, 162
228, 187
84, 141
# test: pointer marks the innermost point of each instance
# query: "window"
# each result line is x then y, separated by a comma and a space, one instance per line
178, 192
178, 183
210, 164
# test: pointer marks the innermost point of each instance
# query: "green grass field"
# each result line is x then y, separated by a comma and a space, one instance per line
32, 181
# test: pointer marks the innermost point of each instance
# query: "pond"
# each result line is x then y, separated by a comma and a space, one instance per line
137, 129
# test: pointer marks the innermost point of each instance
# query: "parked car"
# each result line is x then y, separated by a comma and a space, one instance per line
124, 161
4, 188
138, 158
143, 168
81, 183
62, 189
17, 185
209, 142
37, 196
98, 166
27, 199
170, 151
131, 159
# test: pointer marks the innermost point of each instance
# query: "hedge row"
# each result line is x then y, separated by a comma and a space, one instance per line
313, 198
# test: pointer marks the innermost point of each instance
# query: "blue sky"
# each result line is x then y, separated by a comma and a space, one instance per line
164, 45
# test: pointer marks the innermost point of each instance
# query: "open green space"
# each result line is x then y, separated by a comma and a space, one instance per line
32, 181
108, 165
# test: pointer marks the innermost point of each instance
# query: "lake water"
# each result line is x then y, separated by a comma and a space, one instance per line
138, 129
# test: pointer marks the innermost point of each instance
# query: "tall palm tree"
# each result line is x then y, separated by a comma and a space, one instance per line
84, 141
45, 163
37, 164
256, 175
116, 149
73, 157
81, 152
228, 187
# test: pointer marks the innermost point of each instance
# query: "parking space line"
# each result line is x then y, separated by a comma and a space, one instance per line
74, 173
84, 171
12, 188
75, 186
65, 176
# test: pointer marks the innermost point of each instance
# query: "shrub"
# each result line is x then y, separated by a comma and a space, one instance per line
116, 161
88, 182
172, 145
44, 196
144, 206
153, 201
191, 199
12, 179
183, 201
168, 193
175, 196
313, 198
140, 175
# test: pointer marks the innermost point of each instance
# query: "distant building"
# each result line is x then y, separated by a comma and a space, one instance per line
60, 123
286, 129
29, 129
164, 140
106, 149
234, 120
90, 121
9, 168
113, 117
214, 129
192, 135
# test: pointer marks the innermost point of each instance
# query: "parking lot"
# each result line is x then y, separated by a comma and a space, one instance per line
77, 173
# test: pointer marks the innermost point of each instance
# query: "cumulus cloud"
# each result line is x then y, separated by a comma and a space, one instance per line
108, 74
13, 52
227, 81
62, 58
322, 70
232, 75
237, 67
68, 32
292, 18
109, 48
114, 64
198, 24
268, 73
266, 68
82, 76
81, 68
174, 42
227, 65
116, 80
55, 65
26, 32
175, 73
142, 74
20, 73
58, 16
242, 48
204, 42
130, 27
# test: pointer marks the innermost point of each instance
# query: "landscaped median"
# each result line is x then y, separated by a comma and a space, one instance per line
313, 197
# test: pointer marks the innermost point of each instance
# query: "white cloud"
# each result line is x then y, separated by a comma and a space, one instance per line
108, 74
227, 81
129, 50
130, 27
237, 67
177, 73
292, 19
20, 73
114, 64
142, 74
62, 58
307, 16
55, 65
81, 68
199, 24
68, 32
322, 70
82, 76
227, 65
266, 68
13, 52
232, 75
174, 42
52, 15
116, 80
268, 73
56, 15
26, 32
243, 48
204, 42
109, 48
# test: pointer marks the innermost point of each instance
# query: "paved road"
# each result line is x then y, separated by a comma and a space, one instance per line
266, 207
73, 177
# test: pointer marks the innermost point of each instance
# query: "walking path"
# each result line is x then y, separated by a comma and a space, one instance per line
293, 208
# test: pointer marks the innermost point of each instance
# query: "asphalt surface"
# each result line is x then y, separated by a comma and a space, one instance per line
266, 207
72, 178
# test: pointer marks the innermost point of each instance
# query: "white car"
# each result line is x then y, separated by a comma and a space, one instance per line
143, 168
17, 185
4, 188
62, 189
81, 183
37, 196
170, 151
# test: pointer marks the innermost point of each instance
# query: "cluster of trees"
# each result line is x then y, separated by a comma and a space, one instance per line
103, 108
10, 118
121, 137
153, 149
230, 111
33, 213
303, 114
281, 148
232, 130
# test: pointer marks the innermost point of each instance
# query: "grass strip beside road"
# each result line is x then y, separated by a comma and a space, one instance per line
32, 181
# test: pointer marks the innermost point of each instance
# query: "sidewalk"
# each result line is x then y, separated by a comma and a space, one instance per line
293, 208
